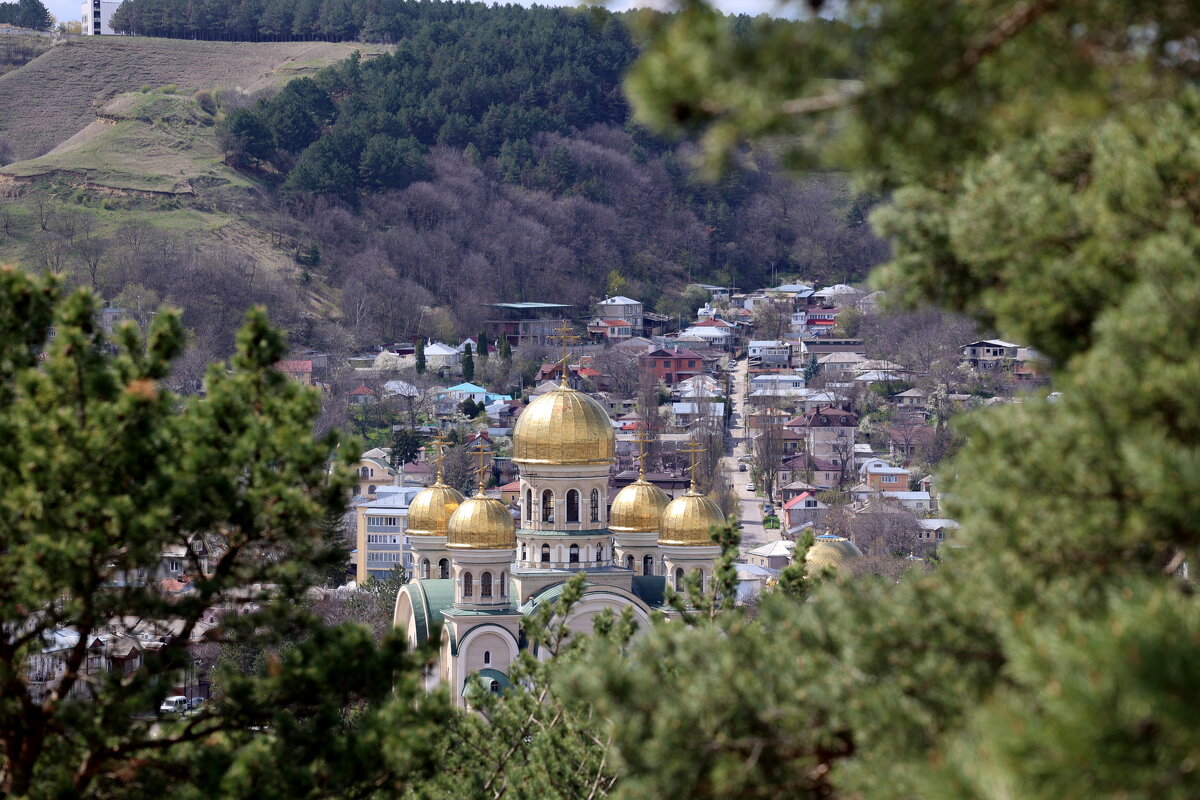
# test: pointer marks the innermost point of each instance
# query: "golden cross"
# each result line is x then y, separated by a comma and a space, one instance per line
692, 449
439, 442
565, 334
642, 438
482, 453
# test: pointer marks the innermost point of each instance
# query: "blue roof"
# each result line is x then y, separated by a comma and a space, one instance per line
467, 387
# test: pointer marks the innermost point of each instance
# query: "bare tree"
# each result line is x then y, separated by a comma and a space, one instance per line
767, 454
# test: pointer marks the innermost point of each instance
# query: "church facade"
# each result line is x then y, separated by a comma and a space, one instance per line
478, 572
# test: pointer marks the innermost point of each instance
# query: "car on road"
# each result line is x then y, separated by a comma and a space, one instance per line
176, 704
745, 459
768, 510
196, 703
741, 467
751, 488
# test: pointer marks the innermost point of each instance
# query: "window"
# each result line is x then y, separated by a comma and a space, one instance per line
524, 552
444, 569
468, 586
504, 584
691, 363
629, 563
494, 687
595, 505
679, 579
371, 489
425, 568
889, 478
545, 554
364, 472
648, 565
485, 586
487, 657
574, 554
528, 504
573, 506
600, 554
173, 565
810, 503
547, 506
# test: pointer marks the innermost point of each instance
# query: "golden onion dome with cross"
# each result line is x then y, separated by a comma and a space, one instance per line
430, 511
481, 523
563, 426
688, 520
638, 508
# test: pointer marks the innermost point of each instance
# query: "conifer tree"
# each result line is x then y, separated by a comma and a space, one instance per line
420, 356
483, 344
505, 349
468, 364
101, 471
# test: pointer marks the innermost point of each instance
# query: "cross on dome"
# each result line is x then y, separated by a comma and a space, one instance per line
482, 453
565, 335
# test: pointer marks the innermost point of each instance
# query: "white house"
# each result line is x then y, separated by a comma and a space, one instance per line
770, 353
440, 357
96, 16
623, 309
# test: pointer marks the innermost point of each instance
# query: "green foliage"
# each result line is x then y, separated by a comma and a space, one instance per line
406, 445
102, 470
30, 14
468, 364
420, 356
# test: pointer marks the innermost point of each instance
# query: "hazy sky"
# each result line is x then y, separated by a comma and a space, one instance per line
69, 9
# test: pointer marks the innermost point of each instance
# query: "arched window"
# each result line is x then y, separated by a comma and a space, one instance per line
485, 586
504, 584
545, 554
573, 506
648, 565
444, 569
679, 579
524, 552
495, 687
595, 505
487, 657
600, 554
529, 504
468, 585
371, 489
547, 506
425, 568
364, 472
574, 554
629, 562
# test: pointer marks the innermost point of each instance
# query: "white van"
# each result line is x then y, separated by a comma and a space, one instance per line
174, 705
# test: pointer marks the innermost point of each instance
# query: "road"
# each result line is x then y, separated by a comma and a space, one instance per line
753, 533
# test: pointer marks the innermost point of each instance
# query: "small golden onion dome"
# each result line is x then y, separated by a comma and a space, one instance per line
563, 426
429, 512
638, 508
831, 551
481, 523
687, 520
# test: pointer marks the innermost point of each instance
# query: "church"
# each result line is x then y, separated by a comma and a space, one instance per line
477, 571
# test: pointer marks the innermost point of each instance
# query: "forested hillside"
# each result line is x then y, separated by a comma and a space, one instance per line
490, 156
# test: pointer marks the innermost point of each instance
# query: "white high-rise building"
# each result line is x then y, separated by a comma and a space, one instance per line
96, 16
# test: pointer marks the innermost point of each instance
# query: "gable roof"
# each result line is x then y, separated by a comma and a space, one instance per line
620, 300
440, 349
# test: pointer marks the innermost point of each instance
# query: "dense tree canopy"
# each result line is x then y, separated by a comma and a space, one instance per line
31, 14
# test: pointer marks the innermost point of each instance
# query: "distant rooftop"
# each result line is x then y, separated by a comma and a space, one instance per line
529, 306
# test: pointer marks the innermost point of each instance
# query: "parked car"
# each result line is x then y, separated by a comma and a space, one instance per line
768, 510
741, 467
196, 702
745, 459
751, 488
176, 704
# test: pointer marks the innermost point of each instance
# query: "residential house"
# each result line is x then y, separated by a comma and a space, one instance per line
374, 471
908, 441
706, 336
817, 471
804, 509
622, 309
912, 398
883, 477
778, 384
611, 329
298, 369
673, 365
767, 354
920, 502
688, 413
528, 322
443, 359
772, 555
830, 432
989, 354
932, 532
839, 366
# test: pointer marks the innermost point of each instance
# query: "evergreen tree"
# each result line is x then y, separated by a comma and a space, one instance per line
420, 356
468, 364
406, 446
483, 344
505, 350
101, 471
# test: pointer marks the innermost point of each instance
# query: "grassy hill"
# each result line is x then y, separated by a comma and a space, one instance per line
55, 96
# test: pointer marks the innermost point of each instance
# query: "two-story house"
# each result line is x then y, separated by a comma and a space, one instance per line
623, 309
673, 365
381, 540
830, 434
989, 354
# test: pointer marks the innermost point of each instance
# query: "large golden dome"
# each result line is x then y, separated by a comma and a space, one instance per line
688, 519
429, 512
831, 551
481, 523
563, 426
638, 508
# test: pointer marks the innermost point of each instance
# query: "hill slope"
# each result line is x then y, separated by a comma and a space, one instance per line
59, 92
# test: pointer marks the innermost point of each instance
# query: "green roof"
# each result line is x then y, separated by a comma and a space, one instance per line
483, 680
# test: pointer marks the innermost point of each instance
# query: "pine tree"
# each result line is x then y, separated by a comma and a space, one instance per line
483, 344
505, 350
468, 364
101, 471
420, 356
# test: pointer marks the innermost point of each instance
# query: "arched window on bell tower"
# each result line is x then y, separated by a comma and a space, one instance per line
485, 586
545, 554
547, 506
574, 554
679, 579
647, 565
595, 505
529, 504
573, 505
468, 585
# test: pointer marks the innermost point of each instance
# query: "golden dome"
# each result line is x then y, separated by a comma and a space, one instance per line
429, 512
831, 551
481, 523
638, 508
563, 426
687, 520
